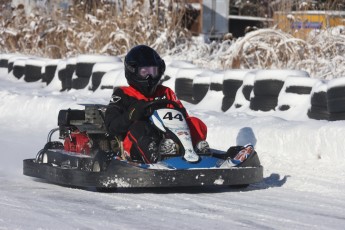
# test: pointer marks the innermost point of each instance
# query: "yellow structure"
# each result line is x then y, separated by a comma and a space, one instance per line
300, 23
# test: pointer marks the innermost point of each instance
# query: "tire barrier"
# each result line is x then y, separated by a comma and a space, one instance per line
295, 94
318, 103
336, 99
232, 81
84, 67
267, 86
232, 90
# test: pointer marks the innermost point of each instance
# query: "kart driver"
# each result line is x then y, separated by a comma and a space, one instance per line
127, 114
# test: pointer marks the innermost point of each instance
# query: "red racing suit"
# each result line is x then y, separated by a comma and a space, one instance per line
117, 115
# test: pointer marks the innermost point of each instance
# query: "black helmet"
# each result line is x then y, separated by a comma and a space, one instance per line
144, 69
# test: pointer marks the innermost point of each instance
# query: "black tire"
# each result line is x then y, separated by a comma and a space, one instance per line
107, 87
216, 86
32, 73
227, 102
263, 103
69, 71
65, 76
318, 113
336, 92
199, 91
337, 116
3, 63
237, 106
336, 105
64, 81
80, 83
247, 90
268, 87
84, 70
284, 107
54, 145
42, 157
298, 89
230, 87
96, 79
49, 74
184, 89
10, 67
319, 99
18, 71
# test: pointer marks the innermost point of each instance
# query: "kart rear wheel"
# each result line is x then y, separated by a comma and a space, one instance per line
42, 157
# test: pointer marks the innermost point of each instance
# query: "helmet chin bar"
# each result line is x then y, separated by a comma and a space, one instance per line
151, 91
151, 86
147, 88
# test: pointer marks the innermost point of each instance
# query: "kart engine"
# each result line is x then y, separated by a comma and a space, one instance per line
77, 142
82, 129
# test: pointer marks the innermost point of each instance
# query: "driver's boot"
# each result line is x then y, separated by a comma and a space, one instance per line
168, 147
202, 147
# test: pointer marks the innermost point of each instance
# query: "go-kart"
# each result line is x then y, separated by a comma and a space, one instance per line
89, 157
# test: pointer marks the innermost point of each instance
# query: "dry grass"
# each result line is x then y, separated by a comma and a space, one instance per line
321, 55
104, 30
112, 31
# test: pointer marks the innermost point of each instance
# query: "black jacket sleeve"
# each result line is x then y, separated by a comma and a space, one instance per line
116, 115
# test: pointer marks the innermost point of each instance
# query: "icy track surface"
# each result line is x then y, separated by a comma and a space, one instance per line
303, 187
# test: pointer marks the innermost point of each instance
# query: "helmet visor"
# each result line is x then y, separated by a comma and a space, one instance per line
146, 71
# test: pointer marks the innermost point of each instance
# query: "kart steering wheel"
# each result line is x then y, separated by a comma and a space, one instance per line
160, 104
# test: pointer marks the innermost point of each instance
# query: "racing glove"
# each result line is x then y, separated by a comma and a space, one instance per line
138, 111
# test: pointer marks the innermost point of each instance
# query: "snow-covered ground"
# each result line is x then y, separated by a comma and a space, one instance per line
303, 159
